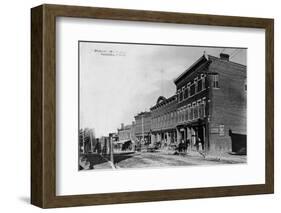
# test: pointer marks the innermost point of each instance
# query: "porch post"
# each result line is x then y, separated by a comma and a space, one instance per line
178, 136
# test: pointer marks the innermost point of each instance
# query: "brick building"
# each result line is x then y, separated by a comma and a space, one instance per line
211, 105
143, 126
163, 121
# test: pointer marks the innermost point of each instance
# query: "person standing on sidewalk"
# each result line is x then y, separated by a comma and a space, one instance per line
198, 144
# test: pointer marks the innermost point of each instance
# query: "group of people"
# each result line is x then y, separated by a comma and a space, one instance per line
185, 144
181, 147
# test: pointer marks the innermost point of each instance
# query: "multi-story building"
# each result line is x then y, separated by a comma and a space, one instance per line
124, 133
133, 132
164, 120
143, 127
211, 104
126, 138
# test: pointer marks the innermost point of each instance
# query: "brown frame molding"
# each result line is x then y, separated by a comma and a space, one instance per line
43, 105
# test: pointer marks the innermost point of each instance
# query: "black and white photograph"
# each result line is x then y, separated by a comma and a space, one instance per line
161, 105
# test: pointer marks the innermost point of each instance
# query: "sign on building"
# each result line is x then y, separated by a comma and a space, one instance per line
221, 130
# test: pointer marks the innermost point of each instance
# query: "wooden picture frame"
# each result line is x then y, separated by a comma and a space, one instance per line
43, 105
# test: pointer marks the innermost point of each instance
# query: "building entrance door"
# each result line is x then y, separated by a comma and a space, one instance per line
202, 135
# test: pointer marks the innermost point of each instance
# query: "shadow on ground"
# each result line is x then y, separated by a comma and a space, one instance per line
96, 159
118, 157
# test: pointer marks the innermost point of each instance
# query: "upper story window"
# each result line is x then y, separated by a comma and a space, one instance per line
193, 109
189, 112
199, 85
186, 114
186, 92
180, 95
216, 81
183, 92
203, 77
192, 89
196, 85
196, 111
200, 110
204, 106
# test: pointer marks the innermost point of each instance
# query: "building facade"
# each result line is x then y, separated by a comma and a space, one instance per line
143, 127
133, 132
228, 108
211, 104
207, 112
163, 121
124, 142
124, 133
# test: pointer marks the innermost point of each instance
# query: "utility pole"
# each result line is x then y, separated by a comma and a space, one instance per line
83, 139
142, 128
111, 151
91, 140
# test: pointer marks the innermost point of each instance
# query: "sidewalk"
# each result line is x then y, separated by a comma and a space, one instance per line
228, 158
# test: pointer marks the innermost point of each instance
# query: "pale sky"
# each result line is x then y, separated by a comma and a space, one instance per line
117, 81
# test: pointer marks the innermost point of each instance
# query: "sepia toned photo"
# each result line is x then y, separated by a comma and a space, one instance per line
159, 105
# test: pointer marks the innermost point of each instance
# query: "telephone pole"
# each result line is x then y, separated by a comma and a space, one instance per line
142, 127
